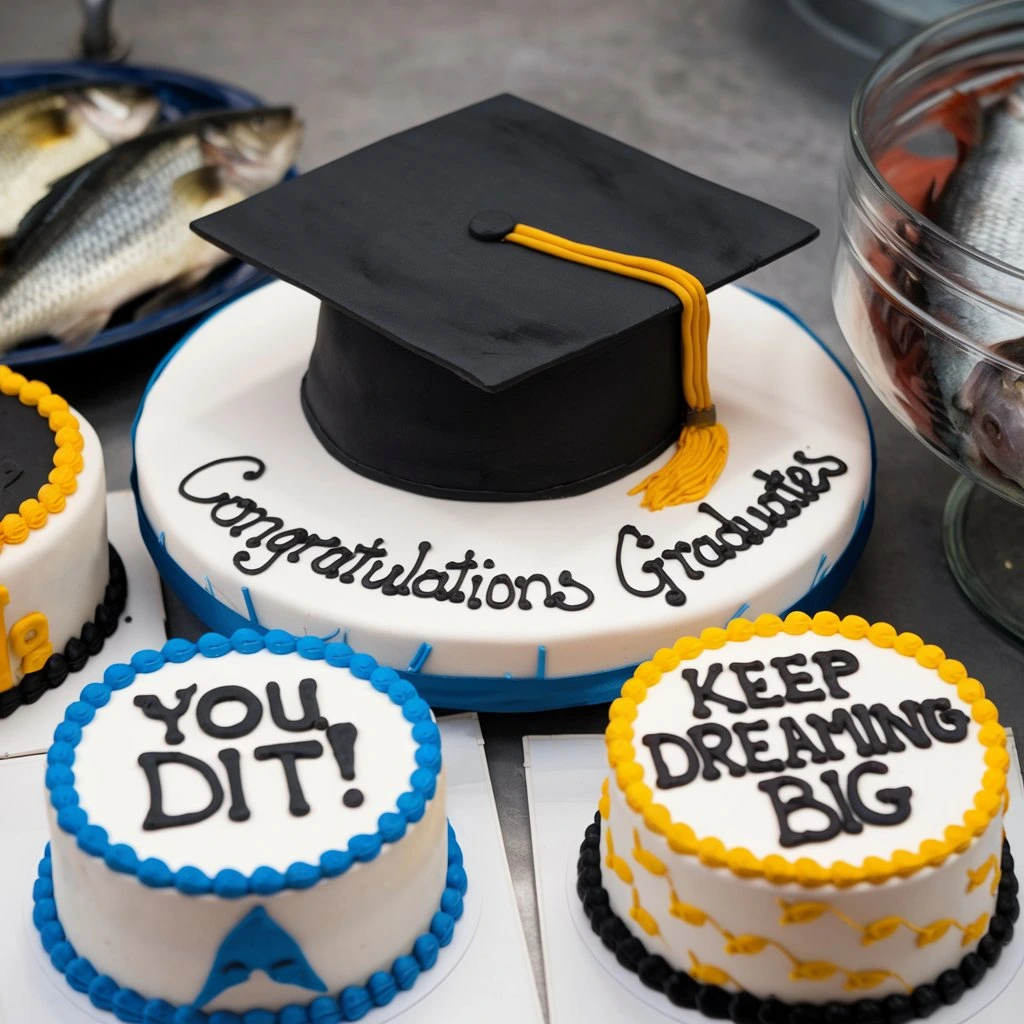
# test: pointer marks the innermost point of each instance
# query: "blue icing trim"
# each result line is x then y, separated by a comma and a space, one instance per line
93, 839
310, 647
457, 877
451, 903
118, 676
258, 942
410, 806
148, 661
43, 889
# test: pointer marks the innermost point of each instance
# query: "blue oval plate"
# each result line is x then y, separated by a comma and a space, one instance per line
181, 94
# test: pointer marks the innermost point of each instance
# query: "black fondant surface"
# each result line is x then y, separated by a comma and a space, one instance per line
742, 1007
452, 364
383, 234
26, 453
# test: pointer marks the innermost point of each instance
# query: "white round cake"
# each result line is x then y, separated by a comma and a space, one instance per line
803, 811
500, 605
62, 588
255, 825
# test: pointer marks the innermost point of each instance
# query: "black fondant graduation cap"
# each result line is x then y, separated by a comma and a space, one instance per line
495, 332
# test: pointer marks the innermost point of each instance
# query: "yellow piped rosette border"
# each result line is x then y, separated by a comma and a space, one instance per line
33, 513
991, 796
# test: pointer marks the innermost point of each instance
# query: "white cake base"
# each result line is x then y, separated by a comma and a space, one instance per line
231, 392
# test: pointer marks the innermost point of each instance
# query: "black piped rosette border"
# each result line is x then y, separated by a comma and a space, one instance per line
77, 650
744, 1008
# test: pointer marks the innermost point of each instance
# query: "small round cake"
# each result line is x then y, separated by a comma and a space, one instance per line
803, 811
247, 826
62, 587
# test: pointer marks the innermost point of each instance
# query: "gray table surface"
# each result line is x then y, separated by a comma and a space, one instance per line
739, 91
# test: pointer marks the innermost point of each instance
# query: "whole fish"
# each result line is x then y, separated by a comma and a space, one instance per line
976, 406
46, 133
119, 227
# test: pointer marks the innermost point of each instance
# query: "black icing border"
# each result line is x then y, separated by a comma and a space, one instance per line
744, 1008
78, 649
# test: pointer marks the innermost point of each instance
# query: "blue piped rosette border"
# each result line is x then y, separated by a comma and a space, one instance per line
354, 1001
513, 693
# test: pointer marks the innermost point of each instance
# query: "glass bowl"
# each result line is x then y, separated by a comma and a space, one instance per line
933, 323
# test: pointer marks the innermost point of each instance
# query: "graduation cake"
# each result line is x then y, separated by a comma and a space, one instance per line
62, 586
484, 427
802, 815
248, 827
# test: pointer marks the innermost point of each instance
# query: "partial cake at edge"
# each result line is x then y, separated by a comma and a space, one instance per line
62, 587
250, 824
809, 812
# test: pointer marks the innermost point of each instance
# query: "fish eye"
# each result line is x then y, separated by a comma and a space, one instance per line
234, 967
990, 425
278, 964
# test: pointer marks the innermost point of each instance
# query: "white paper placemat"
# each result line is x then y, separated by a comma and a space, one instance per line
584, 981
489, 978
30, 728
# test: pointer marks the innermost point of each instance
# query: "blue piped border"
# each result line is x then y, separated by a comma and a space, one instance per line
493, 693
230, 884
352, 1003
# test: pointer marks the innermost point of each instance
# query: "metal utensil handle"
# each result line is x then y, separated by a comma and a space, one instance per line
99, 41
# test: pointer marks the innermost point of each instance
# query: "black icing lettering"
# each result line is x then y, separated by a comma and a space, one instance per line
501, 580
704, 692
863, 715
455, 594
795, 681
239, 810
422, 550
909, 727
840, 722
837, 468
328, 563
742, 533
803, 482
753, 688
474, 602
278, 545
565, 579
249, 474
803, 801
221, 695
260, 516
386, 584
720, 553
775, 482
797, 743
342, 738
523, 584
156, 817
754, 748
779, 506
313, 540
678, 553
288, 754
364, 555
308, 703
700, 735
644, 543
850, 823
673, 595
436, 576
945, 724
152, 707
834, 665
244, 506
768, 520
667, 779
899, 798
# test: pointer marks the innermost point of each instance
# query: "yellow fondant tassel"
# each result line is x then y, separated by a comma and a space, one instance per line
703, 448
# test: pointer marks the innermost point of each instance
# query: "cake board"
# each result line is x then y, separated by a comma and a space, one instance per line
583, 979
226, 403
30, 729
461, 989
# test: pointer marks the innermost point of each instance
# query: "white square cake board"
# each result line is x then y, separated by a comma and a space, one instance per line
585, 982
30, 728
490, 977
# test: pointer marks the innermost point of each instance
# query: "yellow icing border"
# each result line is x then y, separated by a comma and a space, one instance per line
806, 871
33, 513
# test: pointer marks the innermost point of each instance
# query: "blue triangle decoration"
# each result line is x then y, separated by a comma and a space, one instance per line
258, 943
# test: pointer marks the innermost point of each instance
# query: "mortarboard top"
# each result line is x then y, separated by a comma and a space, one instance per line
382, 237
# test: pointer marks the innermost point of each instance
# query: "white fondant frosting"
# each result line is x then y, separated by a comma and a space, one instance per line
62, 569
811, 941
162, 942
233, 390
